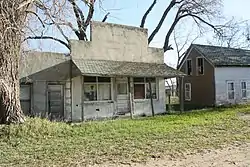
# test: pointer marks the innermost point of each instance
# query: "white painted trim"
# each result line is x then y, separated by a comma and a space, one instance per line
190, 92
197, 71
97, 91
227, 82
187, 67
244, 98
145, 87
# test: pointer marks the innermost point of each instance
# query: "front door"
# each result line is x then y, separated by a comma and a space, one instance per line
55, 102
122, 97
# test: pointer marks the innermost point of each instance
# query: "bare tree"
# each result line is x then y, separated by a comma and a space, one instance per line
59, 15
201, 11
181, 44
12, 18
235, 34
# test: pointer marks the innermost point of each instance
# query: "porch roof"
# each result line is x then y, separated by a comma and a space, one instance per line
121, 68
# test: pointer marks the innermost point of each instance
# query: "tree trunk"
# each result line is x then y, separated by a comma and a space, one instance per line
11, 24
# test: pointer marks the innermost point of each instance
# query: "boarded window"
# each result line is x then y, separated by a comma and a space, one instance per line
230, 90
187, 91
189, 67
142, 90
243, 90
25, 99
200, 66
97, 88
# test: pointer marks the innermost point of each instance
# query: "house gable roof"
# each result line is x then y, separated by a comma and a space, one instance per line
224, 56
220, 56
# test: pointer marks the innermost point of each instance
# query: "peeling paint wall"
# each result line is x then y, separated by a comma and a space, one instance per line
144, 106
117, 43
108, 42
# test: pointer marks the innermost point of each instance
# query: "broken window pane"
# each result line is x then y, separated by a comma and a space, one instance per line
230, 95
188, 91
89, 79
140, 80
139, 91
104, 79
189, 67
243, 89
90, 92
200, 66
153, 88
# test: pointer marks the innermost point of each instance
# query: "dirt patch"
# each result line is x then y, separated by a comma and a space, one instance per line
232, 156
245, 117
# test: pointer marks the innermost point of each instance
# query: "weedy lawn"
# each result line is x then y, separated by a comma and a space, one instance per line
39, 142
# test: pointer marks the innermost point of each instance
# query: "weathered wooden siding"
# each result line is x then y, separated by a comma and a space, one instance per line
235, 74
202, 86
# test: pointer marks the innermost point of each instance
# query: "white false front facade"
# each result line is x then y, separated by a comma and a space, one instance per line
232, 85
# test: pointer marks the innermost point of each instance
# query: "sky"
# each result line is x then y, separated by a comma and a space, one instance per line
129, 12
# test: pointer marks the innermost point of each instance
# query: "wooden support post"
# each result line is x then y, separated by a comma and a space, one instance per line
181, 94
151, 98
130, 98
169, 103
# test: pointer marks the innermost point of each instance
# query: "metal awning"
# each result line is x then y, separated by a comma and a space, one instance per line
121, 68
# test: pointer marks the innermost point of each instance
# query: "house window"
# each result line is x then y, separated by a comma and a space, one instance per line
97, 88
142, 88
25, 99
230, 90
200, 66
187, 91
243, 90
189, 67
122, 88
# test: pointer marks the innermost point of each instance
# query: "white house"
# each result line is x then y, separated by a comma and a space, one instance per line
216, 75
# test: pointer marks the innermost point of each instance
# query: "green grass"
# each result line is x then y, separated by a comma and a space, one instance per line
42, 143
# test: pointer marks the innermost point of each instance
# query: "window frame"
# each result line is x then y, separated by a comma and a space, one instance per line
29, 85
190, 68
145, 88
241, 90
190, 91
197, 66
230, 91
97, 83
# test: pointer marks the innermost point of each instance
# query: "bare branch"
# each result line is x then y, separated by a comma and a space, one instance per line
41, 21
105, 17
79, 19
146, 14
170, 6
90, 14
48, 37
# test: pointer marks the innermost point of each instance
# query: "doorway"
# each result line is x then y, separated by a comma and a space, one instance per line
55, 101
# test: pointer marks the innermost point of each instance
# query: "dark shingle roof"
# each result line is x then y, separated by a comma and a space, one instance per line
223, 56
121, 68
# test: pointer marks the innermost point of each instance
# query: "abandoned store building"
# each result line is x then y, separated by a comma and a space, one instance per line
107, 76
